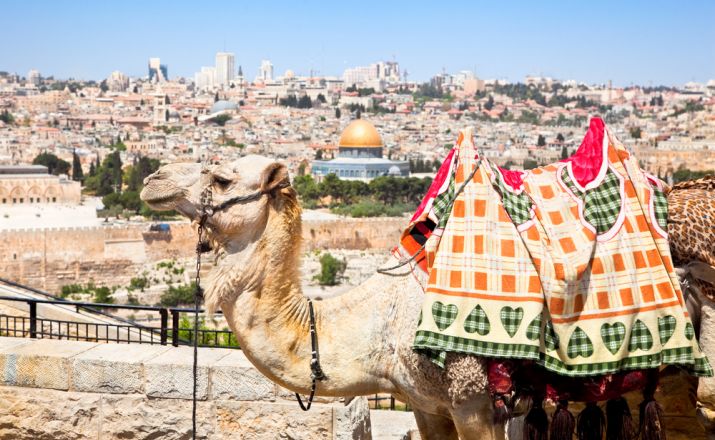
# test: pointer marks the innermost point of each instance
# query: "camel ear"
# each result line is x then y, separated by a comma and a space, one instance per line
273, 177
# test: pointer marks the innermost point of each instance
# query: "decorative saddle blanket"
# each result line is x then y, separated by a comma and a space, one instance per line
567, 265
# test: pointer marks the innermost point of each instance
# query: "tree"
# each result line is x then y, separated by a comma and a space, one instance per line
541, 141
321, 98
216, 98
103, 86
7, 117
560, 137
564, 153
221, 119
54, 164
331, 269
337, 113
635, 132
77, 173
490, 103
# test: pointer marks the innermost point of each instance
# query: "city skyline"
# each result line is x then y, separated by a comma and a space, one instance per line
639, 43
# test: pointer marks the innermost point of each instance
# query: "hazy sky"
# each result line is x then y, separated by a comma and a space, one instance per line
643, 42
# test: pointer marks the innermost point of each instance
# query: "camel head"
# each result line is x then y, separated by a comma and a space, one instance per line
179, 186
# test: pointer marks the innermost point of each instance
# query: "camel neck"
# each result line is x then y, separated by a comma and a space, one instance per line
271, 322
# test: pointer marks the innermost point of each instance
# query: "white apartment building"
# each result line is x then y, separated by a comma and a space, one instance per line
225, 68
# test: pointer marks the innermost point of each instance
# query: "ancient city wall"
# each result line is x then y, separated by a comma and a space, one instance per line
61, 390
112, 255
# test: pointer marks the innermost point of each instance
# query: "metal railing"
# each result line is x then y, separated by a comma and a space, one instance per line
33, 326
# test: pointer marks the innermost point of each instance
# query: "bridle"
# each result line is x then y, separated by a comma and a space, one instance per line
208, 209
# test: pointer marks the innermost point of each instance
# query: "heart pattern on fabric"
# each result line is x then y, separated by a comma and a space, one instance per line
511, 319
444, 314
641, 338
613, 336
551, 339
533, 331
666, 328
689, 331
477, 321
579, 344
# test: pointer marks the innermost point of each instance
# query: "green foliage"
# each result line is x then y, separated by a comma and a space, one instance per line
54, 164
530, 164
186, 330
103, 295
77, 173
178, 295
384, 195
139, 283
541, 141
292, 101
221, 119
7, 117
635, 132
564, 153
331, 269
683, 174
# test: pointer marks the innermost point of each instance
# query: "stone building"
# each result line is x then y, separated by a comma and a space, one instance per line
31, 184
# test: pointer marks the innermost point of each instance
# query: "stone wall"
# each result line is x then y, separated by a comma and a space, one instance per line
79, 390
112, 255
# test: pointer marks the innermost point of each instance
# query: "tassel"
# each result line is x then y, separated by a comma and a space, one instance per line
652, 420
562, 422
502, 412
536, 423
591, 423
620, 422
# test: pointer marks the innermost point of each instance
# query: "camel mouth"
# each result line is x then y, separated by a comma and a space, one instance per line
160, 200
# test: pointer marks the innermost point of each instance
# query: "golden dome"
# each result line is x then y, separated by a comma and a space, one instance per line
360, 133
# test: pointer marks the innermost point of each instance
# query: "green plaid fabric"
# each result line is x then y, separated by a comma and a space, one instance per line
613, 336
533, 331
442, 204
641, 338
444, 314
603, 204
551, 339
579, 344
511, 319
689, 331
428, 340
666, 328
660, 205
477, 321
566, 178
518, 206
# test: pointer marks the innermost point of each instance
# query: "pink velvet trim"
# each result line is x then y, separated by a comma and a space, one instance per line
587, 161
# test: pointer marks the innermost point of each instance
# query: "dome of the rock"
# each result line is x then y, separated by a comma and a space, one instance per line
360, 133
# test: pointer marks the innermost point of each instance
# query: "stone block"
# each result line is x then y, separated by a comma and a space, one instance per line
33, 414
113, 368
235, 378
138, 417
266, 420
42, 363
171, 373
352, 421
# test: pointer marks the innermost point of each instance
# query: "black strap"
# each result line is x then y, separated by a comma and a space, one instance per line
316, 373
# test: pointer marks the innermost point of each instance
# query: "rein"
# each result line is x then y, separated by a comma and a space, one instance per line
207, 210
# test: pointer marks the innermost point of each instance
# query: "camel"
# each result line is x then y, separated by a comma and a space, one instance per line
365, 335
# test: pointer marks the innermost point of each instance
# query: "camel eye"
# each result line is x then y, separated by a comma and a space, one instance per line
222, 182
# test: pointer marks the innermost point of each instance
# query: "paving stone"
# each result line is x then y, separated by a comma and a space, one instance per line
113, 368
235, 378
42, 363
170, 374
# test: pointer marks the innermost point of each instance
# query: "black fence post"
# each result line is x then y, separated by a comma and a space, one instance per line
164, 324
175, 328
33, 319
